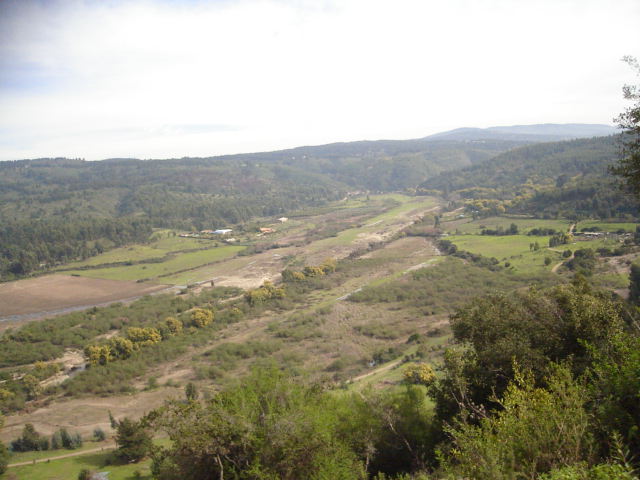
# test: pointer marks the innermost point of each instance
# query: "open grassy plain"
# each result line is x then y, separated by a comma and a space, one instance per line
524, 224
512, 249
128, 272
320, 333
163, 242
607, 226
156, 271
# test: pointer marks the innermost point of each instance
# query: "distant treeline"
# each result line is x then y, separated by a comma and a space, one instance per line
56, 210
27, 245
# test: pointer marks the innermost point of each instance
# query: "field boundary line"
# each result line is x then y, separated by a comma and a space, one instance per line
109, 446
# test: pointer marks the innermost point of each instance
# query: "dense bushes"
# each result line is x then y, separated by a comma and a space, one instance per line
442, 287
543, 386
583, 261
31, 440
266, 292
271, 426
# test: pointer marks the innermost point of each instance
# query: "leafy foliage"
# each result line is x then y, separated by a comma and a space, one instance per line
536, 430
266, 428
629, 120
531, 329
133, 440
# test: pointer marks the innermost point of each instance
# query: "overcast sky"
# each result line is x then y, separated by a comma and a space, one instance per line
168, 78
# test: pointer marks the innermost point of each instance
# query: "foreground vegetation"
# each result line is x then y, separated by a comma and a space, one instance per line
567, 367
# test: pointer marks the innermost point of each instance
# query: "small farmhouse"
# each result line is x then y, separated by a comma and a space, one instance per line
283, 219
222, 231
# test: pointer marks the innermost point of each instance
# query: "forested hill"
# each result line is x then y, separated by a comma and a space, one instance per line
53, 211
56, 210
560, 178
382, 165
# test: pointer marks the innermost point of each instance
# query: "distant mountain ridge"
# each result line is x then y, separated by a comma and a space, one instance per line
545, 132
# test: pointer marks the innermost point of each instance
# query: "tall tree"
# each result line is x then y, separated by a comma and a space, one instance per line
629, 165
132, 438
634, 284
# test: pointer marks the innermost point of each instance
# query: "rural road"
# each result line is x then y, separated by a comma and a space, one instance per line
106, 446
557, 265
384, 368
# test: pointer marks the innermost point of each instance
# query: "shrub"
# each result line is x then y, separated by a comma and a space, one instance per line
99, 435
419, 374
200, 317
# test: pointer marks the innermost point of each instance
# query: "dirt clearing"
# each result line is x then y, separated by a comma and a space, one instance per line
83, 415
56, 293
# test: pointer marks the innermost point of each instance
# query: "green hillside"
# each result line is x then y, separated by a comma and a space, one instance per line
566, 179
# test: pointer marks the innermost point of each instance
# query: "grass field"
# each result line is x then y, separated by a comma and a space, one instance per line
180, 268
524, 224
509, 248
607, 226
69, 468
612, 280
19, 457
268, 264
175, 264
165, 242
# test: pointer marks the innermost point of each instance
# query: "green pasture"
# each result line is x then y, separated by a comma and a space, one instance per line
607, 226
524, 224
163, 244
17, 457
69, 468
181, 261
510, 248
394, 276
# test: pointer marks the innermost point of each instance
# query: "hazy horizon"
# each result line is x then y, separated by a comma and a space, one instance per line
166, 78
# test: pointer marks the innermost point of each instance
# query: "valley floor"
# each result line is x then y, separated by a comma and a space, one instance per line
390, 304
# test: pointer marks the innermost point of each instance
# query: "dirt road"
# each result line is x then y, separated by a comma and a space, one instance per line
383, 368
106, 446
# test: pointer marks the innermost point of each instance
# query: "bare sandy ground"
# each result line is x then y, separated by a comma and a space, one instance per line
83, 415
53, 293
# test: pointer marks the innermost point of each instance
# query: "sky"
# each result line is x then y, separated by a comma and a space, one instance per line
99, 79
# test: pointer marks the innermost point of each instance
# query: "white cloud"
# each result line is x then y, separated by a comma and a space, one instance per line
99, 79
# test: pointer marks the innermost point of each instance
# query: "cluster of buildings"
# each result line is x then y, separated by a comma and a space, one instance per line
226, 231
206, 233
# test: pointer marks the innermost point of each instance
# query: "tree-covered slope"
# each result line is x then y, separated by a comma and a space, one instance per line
54, 203
559, 178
